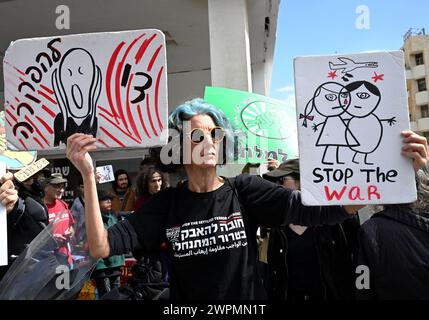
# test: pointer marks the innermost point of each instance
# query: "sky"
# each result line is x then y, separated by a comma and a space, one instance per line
323, 27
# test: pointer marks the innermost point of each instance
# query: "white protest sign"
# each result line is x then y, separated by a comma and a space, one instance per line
3, 225
351, 109
112, 85
105, 174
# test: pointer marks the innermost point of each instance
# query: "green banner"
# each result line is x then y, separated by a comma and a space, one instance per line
264, 127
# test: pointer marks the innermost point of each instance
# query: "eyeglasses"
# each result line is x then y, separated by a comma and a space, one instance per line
197, 134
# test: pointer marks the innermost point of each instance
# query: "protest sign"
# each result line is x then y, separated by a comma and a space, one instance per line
3, 225
351, 109
112, 85
105, 174
14, 160
264, 127
30, 170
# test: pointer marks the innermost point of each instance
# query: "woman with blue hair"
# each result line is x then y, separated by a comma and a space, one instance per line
210, 222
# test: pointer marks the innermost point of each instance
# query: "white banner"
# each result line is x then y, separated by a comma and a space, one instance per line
351, 109
111, 85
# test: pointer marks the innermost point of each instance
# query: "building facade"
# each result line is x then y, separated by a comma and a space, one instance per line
416, 48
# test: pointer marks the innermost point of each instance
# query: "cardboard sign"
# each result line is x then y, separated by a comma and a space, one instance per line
3, 225
351, 109
105, 173
265, 127
111, 85
14, 160
30, 170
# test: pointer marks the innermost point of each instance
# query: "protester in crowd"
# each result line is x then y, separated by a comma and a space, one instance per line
123, 194
210, 222
59, 213
393, 257
27, 220
78, 212
149, 181
308, 263
107, 271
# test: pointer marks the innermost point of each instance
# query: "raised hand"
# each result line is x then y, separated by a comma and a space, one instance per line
8, 193
416, 148
78, 147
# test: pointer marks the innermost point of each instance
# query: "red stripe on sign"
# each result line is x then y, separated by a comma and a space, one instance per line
129, 114
118, 85
143, 48
19, 71
152, 61
17, 100
48, 111
11, 115
142, 121
109, 77
158, 80
37, 129
10, 125
46, 96
105, 111
102, 142
112, 137
119, 128
47, 89
48, 128
38, 142
149, 115
23, 144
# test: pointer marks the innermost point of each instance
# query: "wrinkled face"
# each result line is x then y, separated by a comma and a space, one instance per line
106, 205
77, 74
155, 183
54, 191
122, 181
363, 102
331, 99
204, 153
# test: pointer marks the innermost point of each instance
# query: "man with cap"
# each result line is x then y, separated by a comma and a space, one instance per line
108, 271
59, 213
318, 259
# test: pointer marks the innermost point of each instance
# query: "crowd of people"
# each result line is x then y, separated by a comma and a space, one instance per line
246, 237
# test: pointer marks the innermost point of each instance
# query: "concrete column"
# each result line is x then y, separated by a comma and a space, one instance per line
229, 44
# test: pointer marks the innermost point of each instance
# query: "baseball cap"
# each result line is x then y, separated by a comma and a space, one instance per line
287, 167
56, 178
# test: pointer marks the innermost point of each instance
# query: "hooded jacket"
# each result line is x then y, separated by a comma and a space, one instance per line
394, 245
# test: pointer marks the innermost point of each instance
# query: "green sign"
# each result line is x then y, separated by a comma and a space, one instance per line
264, 127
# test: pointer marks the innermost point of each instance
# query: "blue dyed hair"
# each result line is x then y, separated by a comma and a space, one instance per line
198, 106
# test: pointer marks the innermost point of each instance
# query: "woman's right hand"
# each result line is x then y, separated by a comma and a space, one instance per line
78, 146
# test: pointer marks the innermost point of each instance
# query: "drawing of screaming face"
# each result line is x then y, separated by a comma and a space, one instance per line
77, 86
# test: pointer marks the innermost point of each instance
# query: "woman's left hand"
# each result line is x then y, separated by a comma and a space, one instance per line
416, 148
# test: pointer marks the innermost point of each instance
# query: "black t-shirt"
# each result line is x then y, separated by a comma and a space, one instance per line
303, 266
212, 238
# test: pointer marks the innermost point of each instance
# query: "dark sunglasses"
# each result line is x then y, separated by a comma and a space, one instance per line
197, 134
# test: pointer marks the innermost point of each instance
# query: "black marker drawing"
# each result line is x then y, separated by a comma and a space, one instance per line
348, 65
364, 99
77, 86
330, 100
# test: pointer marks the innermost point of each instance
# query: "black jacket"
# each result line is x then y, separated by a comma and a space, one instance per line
28, 218
394, 244
335, 246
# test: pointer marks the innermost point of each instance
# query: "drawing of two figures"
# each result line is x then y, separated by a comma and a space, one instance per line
348, 113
